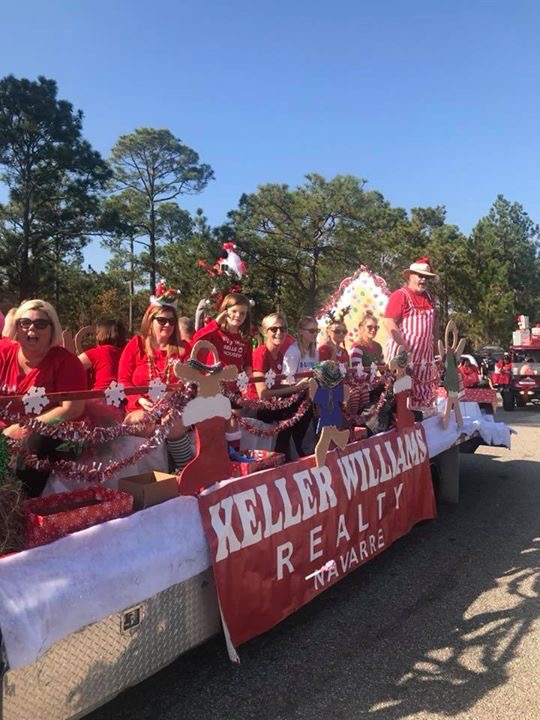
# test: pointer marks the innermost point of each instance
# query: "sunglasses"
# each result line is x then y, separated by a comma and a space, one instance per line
311, 331
277, 328
339, 332
372, 327
162, 321
40, 324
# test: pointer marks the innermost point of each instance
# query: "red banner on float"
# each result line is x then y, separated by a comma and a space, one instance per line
280, 537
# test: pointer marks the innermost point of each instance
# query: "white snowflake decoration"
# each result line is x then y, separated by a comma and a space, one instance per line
360, 373
373, 371
156, 390
290, 379
35, 400
242, 381
114, 394
423, 365
342, 369
270, 378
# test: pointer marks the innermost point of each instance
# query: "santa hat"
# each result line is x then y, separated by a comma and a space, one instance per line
422, 266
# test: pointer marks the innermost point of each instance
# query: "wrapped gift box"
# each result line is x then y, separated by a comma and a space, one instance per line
521, 337
260, 460
149, 488
49, 518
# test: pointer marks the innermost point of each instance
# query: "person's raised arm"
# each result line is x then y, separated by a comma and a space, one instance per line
85, 361
393, 330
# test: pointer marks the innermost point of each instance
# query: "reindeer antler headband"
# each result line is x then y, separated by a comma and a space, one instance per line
338, 317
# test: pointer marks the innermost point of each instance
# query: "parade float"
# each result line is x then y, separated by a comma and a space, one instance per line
127, 567
517, 375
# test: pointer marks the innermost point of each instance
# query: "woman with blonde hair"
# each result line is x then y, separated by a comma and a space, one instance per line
35, 359
303, 354
334, 347
367, 350
301, 357
151, 355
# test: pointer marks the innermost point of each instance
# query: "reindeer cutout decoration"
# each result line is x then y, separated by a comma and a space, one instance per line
207, 413
402, 388
451, 352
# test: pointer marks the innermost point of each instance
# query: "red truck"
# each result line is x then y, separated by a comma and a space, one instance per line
522, 384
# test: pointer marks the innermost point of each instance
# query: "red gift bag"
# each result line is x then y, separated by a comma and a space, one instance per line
49, 518
262, 459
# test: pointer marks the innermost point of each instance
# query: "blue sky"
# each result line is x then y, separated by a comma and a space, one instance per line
432, 103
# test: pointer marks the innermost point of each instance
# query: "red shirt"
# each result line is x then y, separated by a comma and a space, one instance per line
104, 359
326, 350
59, 371
504, 366
398, 306
469, 376
232, 348
135, 368
263, 361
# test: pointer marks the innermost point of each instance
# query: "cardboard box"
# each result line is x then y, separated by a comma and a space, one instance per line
51, 517
149, 488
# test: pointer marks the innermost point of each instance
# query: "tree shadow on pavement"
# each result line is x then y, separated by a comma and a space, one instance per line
430, 626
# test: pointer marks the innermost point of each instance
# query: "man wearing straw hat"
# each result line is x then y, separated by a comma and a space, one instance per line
410, 321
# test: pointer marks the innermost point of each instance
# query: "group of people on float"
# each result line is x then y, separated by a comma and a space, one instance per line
32, 355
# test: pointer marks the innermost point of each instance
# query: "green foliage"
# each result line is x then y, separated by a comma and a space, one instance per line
300, 243
54, 178
151, 168
178, 261
505, 272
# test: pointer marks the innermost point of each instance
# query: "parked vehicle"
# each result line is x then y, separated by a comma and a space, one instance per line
524, 384
487, 357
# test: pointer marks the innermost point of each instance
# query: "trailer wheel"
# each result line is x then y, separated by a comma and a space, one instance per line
508, 400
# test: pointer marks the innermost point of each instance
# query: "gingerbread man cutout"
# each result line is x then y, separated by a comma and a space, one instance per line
451, 352
208, 413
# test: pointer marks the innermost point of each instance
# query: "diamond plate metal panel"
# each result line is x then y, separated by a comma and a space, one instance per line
88, 668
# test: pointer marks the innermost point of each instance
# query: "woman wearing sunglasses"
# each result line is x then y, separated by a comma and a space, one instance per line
35, 359
367, 350
269, 356
334, 347
151, 355
301, 357
303, 354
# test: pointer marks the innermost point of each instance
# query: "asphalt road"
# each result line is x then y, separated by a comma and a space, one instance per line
445, 623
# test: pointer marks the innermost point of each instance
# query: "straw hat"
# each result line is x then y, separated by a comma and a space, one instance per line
422, 266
